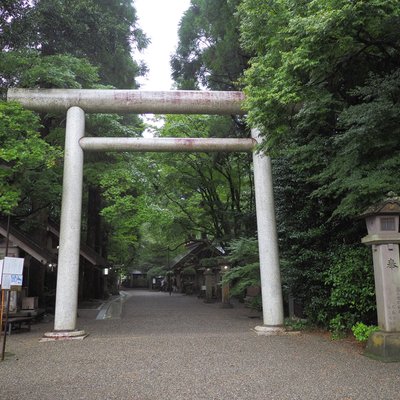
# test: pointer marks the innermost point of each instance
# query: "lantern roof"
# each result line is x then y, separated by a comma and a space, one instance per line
390, 205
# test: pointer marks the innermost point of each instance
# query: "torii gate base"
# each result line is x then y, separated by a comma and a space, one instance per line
179, 102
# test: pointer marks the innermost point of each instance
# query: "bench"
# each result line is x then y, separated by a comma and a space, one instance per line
18, 323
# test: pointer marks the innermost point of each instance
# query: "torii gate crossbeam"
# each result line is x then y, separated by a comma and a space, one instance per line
76, 103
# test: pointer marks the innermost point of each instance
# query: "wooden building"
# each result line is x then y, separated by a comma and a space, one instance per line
188, 268
40, 265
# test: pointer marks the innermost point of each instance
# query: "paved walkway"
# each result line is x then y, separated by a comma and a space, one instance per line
177, 347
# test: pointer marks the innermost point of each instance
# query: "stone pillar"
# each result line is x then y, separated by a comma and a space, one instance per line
226, 297
70, 229
271, 288
208, 274
384, 238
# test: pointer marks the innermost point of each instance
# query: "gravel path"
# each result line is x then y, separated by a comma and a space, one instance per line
177, 347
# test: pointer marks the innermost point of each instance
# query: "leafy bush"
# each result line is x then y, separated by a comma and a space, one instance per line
242, 277
338, 326
27, 162
243, 250
296, 324
243, 253
352, 296
362, 332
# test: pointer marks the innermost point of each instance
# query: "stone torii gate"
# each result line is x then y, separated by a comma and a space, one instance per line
75, 103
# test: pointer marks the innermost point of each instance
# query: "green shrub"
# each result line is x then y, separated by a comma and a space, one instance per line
243, 254
296, 324
338, 326
243, 250
352, 291
362, 332
242, 277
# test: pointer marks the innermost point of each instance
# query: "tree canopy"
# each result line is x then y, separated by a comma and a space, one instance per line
324, 80
208, 53
323, 86
102, 32
26, 160
56, 44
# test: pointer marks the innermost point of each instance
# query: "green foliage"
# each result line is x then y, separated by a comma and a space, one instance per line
155, 271
31, 70
24, 156
323, 86
191, 193
242, 277
59, 71
303, 48
338, 326
83, 44
362, 332
352, 295
243, 250
366, 154
316, 86
101, 32
243, 253
208, 53
13, 29
131, 211
296, 324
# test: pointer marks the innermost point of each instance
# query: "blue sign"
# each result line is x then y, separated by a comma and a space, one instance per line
16, 280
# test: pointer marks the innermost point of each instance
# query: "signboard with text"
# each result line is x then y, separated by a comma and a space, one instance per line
11, 273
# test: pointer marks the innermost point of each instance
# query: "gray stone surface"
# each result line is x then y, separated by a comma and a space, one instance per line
384, 346
178, 347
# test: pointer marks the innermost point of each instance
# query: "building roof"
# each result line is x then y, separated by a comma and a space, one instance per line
85, 251
194, 248
137, 272
26, 244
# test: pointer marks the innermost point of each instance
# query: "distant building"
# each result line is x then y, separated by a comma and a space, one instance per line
188, 271
137, 279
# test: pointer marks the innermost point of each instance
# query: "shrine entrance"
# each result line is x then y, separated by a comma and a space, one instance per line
78, 102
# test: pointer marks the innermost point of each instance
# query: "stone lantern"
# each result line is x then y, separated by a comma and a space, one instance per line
383, 236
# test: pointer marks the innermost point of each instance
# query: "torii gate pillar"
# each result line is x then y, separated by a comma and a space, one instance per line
271, 288
70, 232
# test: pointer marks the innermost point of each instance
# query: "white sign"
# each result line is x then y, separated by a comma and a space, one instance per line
6, 284
11, 269
13, 265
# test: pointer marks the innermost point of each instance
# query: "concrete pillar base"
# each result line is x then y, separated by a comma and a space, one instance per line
265, 330
63, 335
384, 346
